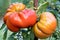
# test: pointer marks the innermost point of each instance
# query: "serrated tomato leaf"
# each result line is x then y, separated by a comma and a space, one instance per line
11, 37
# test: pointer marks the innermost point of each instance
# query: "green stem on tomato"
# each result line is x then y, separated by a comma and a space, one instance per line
42, 5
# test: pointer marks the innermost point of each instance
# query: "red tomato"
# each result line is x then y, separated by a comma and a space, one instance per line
6, 16
24, 18
15, 7
18, 17
12, 27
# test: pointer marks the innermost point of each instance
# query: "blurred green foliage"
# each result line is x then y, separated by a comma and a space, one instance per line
43, 5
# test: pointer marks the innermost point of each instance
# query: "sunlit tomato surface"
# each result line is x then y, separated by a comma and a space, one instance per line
46, 26
24, 18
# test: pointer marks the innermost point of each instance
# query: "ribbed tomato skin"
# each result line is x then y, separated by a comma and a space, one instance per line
46, 26
23, 19
14, 7
12, 27
18, 16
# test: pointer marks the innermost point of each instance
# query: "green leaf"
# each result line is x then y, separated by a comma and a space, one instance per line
31, 35
5, 34
13, 1
28, 3
28, 35
41, 1
13, 34
3, 25
11, 37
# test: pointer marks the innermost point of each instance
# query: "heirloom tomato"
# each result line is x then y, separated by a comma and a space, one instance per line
24, 18
15, 7
45, 26
17, 16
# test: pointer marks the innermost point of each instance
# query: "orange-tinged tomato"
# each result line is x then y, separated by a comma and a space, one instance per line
38, 32
46, 26
16, 7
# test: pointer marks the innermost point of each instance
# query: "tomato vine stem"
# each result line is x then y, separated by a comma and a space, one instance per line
35, 8
35, 4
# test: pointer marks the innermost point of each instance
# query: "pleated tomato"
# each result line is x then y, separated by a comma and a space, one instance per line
46, 26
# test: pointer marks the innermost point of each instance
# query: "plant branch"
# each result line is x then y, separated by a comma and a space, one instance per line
35, 8
35, 4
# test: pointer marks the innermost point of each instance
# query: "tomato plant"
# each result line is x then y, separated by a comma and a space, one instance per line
45, 27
